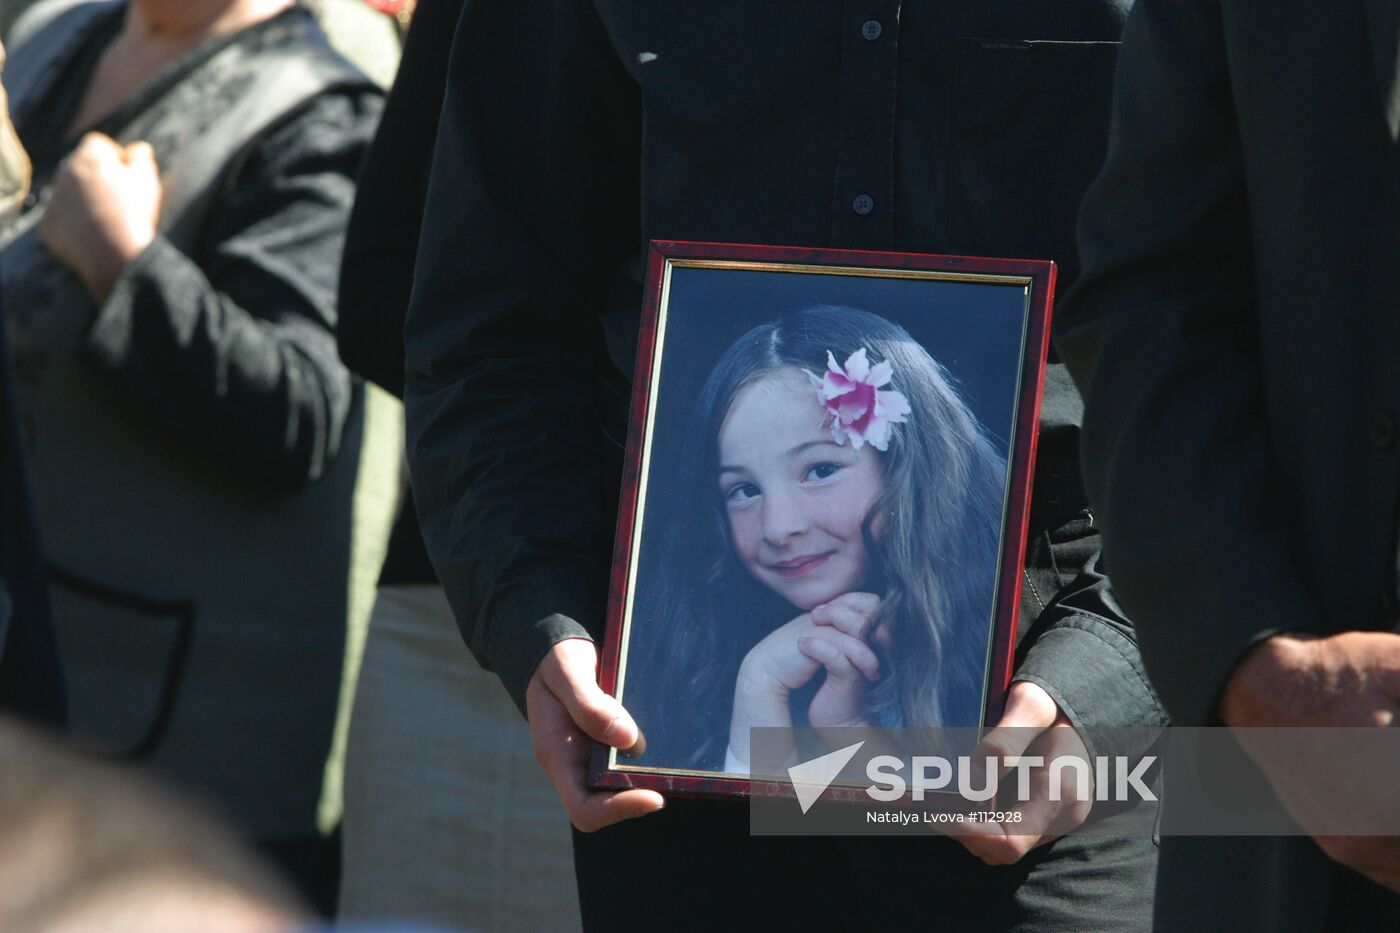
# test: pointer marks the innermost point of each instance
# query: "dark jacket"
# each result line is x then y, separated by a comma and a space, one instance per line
195, 435
1236, 336
381, 243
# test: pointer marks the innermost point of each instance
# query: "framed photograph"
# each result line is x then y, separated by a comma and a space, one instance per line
825, 500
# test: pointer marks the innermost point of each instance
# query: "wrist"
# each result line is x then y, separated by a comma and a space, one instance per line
132, 242
101, 268
753, 685
850, 720
1264, 688
124, 244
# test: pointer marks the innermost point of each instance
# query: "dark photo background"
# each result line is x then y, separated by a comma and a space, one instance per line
974, 330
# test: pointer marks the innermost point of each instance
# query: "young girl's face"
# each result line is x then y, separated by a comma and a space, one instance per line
796, 500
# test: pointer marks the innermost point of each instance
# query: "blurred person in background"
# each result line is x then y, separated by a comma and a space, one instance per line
87, 846
90, 847
31, 683
370, 38
447, 818
1240, 431
193, 438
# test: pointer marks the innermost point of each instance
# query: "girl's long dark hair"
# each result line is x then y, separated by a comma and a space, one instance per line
936, 553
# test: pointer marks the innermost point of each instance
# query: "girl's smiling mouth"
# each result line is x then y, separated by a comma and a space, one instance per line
799, 566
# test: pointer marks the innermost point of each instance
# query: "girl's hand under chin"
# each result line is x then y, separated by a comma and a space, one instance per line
841, 699
792, 655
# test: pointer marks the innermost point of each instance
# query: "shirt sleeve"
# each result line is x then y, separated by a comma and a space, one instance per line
234, 346
1160, 335
1082, 650
533, 203
1076, 643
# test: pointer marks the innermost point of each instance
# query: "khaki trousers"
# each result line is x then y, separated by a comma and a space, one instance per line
448, 819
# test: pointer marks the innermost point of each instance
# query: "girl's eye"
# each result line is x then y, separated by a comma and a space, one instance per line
742, 492
823, 471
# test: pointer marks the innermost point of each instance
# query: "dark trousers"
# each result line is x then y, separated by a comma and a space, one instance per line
694, 866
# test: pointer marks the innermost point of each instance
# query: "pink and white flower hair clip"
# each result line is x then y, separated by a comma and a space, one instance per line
857, 406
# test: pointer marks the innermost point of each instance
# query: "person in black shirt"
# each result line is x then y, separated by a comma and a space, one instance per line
572, 132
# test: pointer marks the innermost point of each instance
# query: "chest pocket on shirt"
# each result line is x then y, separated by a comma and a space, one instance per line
1030, 128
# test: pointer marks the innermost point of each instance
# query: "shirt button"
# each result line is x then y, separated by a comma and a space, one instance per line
1381, 430
863, 204
871, 30
31, 199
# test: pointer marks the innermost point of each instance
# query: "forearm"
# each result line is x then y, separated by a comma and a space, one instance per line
1081, 647
758, 702
531, 208
271, 396
230, 341
511, 479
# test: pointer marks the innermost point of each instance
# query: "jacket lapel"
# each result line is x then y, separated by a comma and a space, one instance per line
1383, 20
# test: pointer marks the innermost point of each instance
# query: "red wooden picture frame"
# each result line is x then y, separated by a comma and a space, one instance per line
608, 770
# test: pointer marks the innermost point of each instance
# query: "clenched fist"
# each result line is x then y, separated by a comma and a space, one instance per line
103, 209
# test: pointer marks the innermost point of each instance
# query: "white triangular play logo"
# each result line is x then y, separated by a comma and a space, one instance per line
811, 778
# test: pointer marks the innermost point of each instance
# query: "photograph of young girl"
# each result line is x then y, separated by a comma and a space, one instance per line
825, 501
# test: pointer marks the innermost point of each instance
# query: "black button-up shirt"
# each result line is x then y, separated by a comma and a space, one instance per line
575, 130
